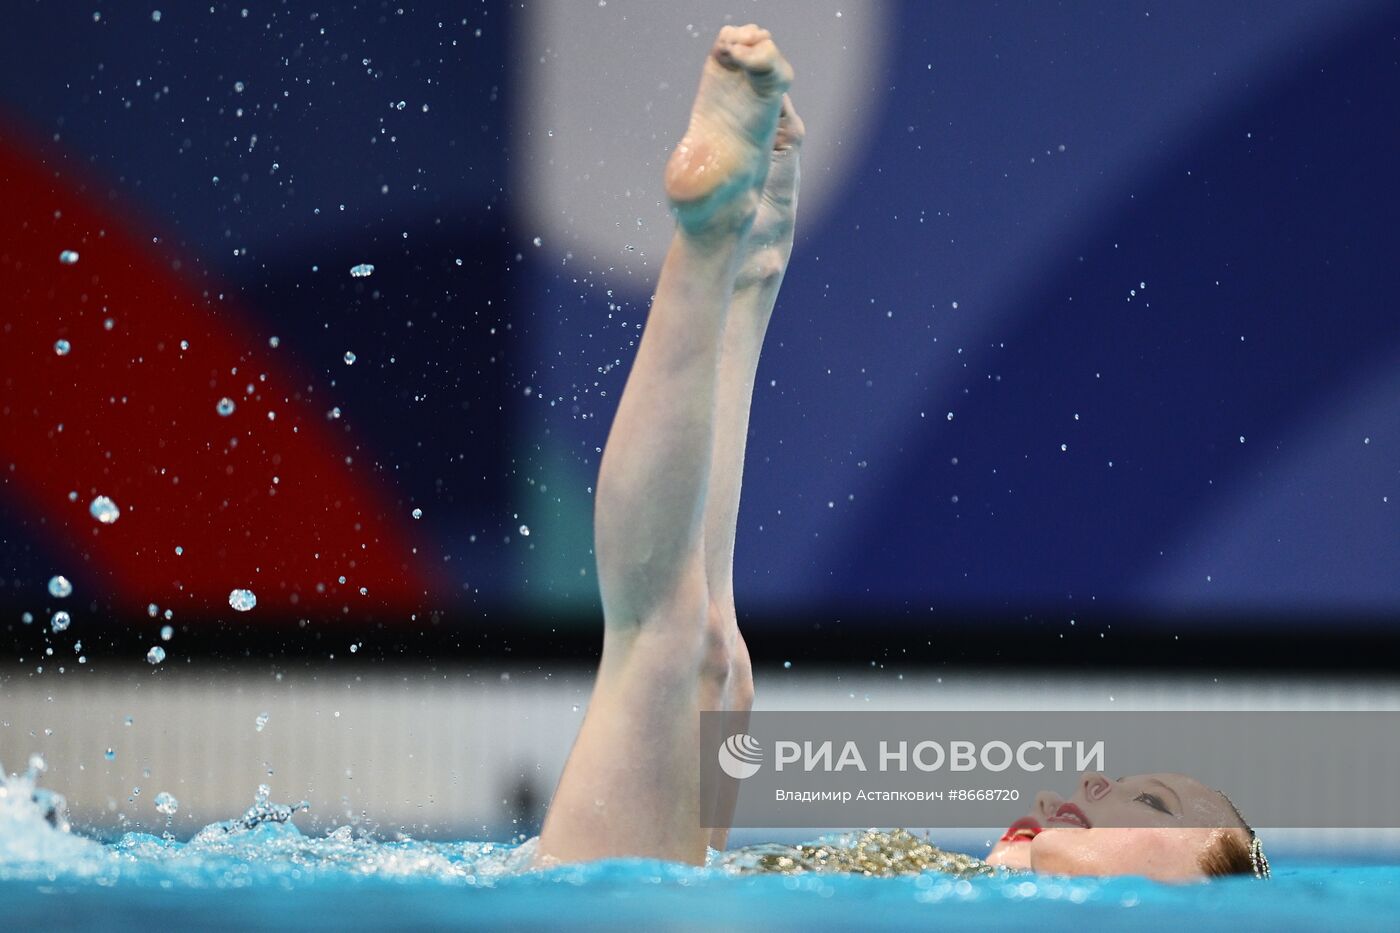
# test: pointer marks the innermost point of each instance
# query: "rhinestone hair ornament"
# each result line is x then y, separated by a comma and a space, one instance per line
1257, 859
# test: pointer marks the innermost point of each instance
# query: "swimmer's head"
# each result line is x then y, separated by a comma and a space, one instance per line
1169, 827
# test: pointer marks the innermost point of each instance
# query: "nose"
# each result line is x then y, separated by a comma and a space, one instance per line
1046, 803
1094, 785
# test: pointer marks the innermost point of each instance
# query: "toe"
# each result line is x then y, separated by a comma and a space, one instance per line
763, 58
751, 34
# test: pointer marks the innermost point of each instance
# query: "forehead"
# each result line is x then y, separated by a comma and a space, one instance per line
1199, 801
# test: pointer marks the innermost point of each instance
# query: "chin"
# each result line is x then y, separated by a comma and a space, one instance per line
1011, 855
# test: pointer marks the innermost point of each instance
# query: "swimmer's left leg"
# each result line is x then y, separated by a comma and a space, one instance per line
631, 785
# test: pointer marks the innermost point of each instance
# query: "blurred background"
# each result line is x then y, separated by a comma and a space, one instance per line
1082, 368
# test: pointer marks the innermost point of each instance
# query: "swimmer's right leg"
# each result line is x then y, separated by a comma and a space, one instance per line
766, 252
631, 784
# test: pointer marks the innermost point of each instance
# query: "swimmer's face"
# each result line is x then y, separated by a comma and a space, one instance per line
1155, 825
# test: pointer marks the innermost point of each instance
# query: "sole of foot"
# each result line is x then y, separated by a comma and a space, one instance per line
717, 171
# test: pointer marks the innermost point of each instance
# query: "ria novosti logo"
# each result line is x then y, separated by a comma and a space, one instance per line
740, 756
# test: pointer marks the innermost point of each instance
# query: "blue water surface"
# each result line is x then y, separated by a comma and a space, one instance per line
261, 872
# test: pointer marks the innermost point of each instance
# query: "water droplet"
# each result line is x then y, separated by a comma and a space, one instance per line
179, 550
261, 722
68, 257
60, 588
524, 531
417, 513
274, 342
238, 86
155, 16
156, 655
787, 665
104, 510
362, 270
349, 358
61, 347
166, 632
110, 754
60, 621
27, 618
538, 241
225, 406
242, 600
354, 648
167, 804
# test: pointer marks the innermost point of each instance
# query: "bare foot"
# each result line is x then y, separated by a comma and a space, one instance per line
717, 170
769, 243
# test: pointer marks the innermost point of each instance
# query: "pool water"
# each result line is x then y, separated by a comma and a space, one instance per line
261, 871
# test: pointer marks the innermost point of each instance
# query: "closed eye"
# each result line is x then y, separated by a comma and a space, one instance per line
1153, 801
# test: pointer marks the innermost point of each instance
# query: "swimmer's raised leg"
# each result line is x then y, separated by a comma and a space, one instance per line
631, 784
761, 269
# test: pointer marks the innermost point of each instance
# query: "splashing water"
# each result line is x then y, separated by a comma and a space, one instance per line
34, 822
104, 510
242, 600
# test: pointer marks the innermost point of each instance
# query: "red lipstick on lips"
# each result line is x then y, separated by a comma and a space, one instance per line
1070, 815
1023, 830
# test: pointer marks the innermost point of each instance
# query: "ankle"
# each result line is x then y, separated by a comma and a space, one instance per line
763, 268
722, 218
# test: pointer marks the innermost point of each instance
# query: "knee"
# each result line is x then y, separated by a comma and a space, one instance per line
721, 633
725, 667
740, 683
